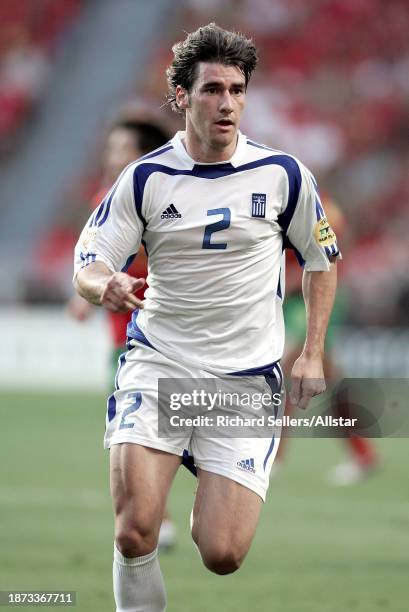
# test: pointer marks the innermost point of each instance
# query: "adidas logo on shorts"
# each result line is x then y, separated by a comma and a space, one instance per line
247, 465
171, 213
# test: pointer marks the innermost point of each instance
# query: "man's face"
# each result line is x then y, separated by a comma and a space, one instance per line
120, 151
214, 104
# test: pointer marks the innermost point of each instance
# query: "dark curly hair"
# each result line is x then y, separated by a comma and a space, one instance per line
147, 134
209, 43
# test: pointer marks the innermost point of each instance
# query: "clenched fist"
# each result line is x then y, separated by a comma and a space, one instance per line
118, 293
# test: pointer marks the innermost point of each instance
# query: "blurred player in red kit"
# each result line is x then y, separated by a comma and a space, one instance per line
362, 456
128, 139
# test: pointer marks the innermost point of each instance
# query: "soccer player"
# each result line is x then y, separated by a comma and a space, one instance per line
129, 138
214, 210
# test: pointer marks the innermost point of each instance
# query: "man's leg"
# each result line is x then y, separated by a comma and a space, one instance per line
140, 481
225, 517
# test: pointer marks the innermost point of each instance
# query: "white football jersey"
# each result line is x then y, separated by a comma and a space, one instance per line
214, 234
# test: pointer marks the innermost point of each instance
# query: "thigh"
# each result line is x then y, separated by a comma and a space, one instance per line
132, 414
246, 460
225, 514
140, 482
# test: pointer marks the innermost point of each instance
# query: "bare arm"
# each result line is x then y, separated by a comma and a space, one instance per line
307, 375
114, 290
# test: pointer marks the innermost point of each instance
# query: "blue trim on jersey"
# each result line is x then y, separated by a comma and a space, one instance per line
138, 189
129, 262
287, 244
111, 405
145, 247
274, 379
279, 292
95, 213
87, 259
99, 212
121, 361
101, 221
270, 450
111, 402
133, 331
294, 186
260, 146
108, 207
333, 250
258, 371
102, 212
318, 208
156, 152
143, 172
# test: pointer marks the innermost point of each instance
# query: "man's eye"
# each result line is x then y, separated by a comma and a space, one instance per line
211, 90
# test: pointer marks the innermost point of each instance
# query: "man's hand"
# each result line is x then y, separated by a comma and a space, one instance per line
307, 380
78, 308
101, 286
118, 293
307, 375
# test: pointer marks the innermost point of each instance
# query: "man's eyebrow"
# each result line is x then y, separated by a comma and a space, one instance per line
218, 83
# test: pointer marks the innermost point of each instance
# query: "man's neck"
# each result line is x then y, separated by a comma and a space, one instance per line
202, 153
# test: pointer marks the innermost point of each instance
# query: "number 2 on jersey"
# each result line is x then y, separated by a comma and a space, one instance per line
216, 227
137, 397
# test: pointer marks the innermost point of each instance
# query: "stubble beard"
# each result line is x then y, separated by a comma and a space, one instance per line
223, 141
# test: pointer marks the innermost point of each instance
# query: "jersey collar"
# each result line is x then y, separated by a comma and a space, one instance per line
181, 152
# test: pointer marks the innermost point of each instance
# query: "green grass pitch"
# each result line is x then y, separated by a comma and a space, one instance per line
317, 549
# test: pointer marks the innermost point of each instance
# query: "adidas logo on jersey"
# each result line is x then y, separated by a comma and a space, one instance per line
247, 465
171, 213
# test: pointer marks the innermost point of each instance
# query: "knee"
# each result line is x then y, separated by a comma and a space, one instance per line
131, 543
222, 561
135, 539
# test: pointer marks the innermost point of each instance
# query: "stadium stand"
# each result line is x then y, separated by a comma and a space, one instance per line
30, 32
332, 89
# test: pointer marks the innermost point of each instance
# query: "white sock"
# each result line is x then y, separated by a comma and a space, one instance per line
138, 583
167, 535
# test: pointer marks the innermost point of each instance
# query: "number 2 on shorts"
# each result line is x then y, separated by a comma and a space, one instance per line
131, 408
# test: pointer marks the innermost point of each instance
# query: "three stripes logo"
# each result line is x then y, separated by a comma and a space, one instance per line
258, 205
171, 213
247, 465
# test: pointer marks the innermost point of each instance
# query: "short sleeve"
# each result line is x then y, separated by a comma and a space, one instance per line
307, 229
113, 232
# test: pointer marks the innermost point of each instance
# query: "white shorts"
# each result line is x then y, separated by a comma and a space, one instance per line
132, 416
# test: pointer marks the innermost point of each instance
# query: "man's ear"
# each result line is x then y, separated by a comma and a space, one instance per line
182, 97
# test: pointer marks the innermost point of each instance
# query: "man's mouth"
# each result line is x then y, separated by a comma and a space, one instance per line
225, 122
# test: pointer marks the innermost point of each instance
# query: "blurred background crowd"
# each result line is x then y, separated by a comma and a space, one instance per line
332, 88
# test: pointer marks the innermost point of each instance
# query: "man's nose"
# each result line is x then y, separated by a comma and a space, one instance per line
226, 102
